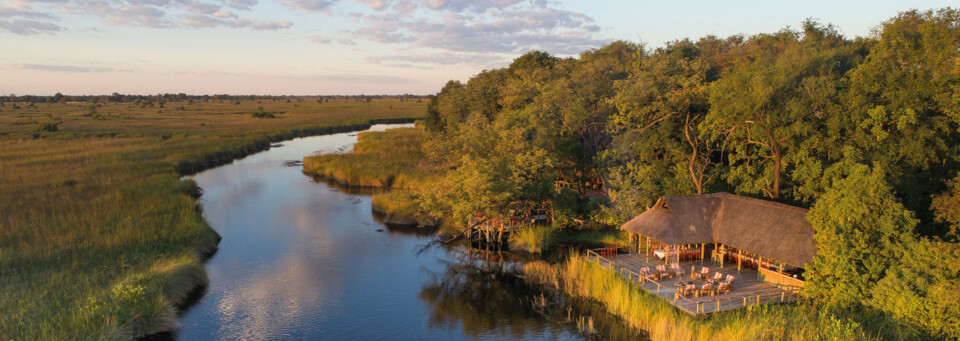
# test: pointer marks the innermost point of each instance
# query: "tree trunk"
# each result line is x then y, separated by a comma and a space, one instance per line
697, 180
777, 157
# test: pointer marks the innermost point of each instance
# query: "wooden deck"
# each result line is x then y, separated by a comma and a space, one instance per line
747, 289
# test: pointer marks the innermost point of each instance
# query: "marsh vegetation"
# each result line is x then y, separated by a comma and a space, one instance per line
99, 236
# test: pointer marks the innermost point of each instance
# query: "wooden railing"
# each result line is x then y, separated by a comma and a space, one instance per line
642, 279
701, 306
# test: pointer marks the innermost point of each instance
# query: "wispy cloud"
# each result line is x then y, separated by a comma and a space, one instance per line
64, 68
498, 26
336, 76
26, 17
27, 22
480, 60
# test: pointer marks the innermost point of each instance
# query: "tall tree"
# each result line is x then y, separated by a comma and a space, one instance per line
668, 90
772, 99
861, 229
903, 105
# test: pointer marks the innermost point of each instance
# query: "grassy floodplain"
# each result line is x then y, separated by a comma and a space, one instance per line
99, 237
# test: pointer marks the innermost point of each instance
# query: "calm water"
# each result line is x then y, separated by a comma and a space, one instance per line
303, 260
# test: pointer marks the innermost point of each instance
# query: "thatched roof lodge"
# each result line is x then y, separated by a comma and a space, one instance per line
772, 232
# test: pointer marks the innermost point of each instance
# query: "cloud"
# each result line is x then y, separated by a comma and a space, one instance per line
28, 27
324, 40
140, 16
27, 22
483, 60
32, 17
475, 6
240, 4
498, 26
338, 77
375, 4
364, 79
309, 5
64, 68
10, 12
203, 21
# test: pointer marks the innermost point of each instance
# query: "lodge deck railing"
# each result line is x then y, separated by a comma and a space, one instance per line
698, 305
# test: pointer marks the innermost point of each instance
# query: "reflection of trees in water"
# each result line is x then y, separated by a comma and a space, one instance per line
482, 293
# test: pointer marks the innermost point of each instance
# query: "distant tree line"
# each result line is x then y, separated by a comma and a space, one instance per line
182, 97
864, 131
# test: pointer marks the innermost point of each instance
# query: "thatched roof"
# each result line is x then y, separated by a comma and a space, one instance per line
760, 227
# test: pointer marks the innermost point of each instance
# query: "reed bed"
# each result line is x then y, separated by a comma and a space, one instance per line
389, 159
533, 239
99, 236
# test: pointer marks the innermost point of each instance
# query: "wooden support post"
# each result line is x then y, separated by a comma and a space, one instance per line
714, 253
723, 255
639, 243
781, 268
647, 254
703, 250
739, 256
759, 266
666, 256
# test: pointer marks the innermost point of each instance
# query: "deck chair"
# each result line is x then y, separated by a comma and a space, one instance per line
723, 288
726, 285
645, 271
707, 288
717, 277
702, 275
677, 270
662, 272
691, 289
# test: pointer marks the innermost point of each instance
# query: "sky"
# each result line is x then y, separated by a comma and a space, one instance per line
350, 47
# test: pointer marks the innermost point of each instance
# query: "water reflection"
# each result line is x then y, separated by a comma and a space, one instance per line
482, 292
303, 260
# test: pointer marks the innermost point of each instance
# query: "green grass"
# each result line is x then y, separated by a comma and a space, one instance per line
591, 238
400, 207
646, 313
99, 237
533, 239
389, 159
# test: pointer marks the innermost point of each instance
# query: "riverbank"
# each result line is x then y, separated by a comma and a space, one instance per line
645, 313
391, 162
100, 238
394, 164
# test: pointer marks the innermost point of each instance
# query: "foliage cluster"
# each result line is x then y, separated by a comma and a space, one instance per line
865, 131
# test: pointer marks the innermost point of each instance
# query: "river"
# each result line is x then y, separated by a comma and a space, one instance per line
301, 259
